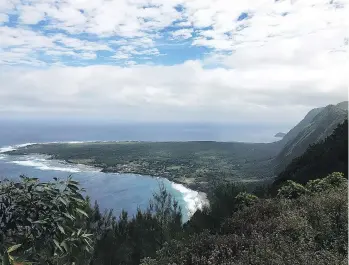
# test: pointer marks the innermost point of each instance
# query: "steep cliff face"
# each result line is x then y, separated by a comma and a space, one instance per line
320, 159
316, 126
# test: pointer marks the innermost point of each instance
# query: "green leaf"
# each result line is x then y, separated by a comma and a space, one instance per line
63, 201
61, 229
40, 222
13, 248
74, 182
69, 216
78, 200
82, 212
73, 187
88, 243
65, 246
57, 245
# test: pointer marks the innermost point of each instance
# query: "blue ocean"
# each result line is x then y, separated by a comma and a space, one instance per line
113, 191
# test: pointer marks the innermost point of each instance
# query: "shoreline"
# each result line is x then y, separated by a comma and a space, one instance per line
5, 149
194, 198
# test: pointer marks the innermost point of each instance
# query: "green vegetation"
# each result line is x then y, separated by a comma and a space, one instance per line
301, 225
311, 229
43, 222
320, 159
196, 164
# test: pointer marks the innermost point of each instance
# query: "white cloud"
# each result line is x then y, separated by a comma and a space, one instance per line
182, 34
185, 23
26, 45
30, 14
186, 91
3, 18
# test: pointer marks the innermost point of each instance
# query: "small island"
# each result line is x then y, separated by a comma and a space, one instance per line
280, 135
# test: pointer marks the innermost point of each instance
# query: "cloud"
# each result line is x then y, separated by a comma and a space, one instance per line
21, 46
182, 34
221, 25
185, 91
3, 18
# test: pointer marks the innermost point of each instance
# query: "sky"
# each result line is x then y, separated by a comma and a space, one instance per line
265, 61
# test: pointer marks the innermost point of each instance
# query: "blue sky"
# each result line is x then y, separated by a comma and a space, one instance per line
174, 59
171, 44
163, 50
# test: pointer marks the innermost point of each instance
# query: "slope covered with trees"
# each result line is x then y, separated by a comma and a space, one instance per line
316, 126
307, 227
320, 159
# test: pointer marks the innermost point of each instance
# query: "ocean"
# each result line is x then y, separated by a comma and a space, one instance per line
110, 190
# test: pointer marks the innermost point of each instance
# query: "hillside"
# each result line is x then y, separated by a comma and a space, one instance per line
320, 159
316, 126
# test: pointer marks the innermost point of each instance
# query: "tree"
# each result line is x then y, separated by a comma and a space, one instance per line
167, 213
292, 190
127, 240
43, 222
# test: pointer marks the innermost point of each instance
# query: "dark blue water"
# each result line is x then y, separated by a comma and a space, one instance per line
113, 191
19, 131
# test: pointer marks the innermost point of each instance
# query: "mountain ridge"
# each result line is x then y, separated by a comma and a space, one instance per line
318, 124
320, 159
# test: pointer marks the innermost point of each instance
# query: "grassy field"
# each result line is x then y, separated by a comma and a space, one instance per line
197, 164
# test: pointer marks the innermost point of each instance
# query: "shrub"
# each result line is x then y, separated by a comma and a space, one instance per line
310, 229
333, 180
42, 222
292, 190
245, 199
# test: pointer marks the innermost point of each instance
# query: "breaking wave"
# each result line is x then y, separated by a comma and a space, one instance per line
194, 200
45, 165
43, 162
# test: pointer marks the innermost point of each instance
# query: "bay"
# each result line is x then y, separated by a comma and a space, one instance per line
114, 191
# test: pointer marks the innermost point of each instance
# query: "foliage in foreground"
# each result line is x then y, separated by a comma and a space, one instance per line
303, 224
42, 222
128, 240
52, 223
310, 229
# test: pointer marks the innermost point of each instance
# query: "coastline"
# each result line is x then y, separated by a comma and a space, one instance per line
197, 165
185, 181
194, 198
